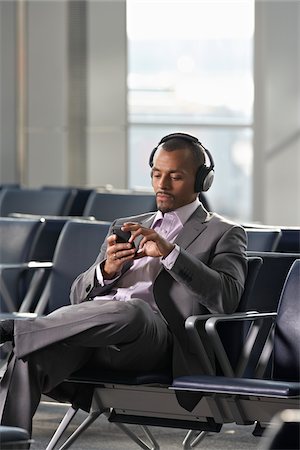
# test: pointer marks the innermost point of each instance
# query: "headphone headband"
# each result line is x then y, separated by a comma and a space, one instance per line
187, 137
205, 174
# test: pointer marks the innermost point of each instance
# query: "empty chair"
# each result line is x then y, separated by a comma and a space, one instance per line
54, 202
18, 238
263, 239
79, 198
270, 280
77, 248
9, 185
289, 241
44, 246
257, 398
14, 438
110, 206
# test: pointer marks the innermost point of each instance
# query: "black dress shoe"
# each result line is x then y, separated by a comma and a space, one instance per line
6, 330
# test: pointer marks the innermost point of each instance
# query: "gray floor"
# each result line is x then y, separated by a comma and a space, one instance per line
103, 435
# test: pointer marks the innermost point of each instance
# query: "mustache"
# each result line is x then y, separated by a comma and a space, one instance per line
160, 192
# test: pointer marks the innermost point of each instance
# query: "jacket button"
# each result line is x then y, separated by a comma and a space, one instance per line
88, 288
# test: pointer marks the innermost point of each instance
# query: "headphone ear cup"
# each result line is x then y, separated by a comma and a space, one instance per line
204, 179
207, 182
152, 156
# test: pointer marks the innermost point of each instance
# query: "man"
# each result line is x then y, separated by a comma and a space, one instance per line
185, 261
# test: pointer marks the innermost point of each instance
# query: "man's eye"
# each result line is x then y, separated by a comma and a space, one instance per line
176, 177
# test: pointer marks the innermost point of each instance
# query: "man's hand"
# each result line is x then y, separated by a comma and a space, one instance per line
152, 243
116, 255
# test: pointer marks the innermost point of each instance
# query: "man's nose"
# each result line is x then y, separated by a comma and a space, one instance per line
164, 182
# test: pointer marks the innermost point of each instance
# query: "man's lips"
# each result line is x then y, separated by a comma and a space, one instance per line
163, 196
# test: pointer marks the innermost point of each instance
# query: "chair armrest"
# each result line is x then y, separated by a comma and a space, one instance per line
26, 265
17, 315
38, 267
261, 326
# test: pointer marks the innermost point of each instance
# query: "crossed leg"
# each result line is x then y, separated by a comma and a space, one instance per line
48, 349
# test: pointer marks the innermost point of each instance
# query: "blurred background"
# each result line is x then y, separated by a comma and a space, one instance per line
88, 88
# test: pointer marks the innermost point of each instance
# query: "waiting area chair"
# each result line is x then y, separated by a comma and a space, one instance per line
79, 198
109, 206
18, 239
54, 202
76, 249
259, 399
289, 241
14, 438
270, 279
263, 239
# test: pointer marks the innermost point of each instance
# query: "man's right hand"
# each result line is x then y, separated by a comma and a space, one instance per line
117, 254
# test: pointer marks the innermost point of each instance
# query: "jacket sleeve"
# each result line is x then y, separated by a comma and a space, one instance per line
216, 279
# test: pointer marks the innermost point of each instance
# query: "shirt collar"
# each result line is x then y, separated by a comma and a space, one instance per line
183, 213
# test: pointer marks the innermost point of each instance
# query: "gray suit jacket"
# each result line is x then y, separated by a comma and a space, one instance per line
207, 277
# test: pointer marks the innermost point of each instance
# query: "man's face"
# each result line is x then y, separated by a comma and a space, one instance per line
173, 178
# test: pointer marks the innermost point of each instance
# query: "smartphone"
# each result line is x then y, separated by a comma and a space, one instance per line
122, 236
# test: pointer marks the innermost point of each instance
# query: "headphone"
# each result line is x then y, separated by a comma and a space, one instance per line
205, 174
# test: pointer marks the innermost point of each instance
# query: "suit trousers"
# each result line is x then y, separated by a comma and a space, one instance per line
105, 334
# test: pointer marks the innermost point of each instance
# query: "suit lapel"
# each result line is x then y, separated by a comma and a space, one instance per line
192, 228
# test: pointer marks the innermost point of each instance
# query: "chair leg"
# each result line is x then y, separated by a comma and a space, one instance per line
193, 438
153, 443
82, 427
62, 427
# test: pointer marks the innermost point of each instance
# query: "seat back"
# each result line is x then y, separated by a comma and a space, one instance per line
36, 201
76, 250
17, 239
286, 360
270, 280
289, 241
232, 335
78, 200
110, 206
263, 239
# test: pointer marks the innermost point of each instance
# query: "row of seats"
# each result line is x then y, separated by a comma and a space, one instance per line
107, 206
25, 238
55, 201
73, 201
267, 274
267, 238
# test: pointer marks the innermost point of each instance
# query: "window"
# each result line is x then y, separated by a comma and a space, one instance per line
190, 70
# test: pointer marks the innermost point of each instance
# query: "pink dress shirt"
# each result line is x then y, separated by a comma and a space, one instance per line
137, 282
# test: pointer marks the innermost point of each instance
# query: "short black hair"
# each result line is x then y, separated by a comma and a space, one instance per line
178, 143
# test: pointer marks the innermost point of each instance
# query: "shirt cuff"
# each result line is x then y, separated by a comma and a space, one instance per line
100, 278
170, 260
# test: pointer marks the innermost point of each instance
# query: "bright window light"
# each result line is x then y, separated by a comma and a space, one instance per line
190, 67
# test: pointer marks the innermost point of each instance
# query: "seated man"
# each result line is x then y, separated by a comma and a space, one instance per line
129, 308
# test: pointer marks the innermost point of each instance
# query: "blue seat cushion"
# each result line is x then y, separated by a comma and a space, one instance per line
94, 376
13, 434
238, 386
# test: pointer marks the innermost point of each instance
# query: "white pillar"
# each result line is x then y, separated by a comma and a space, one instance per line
8, 112
107, 92
277, 113
46, 93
